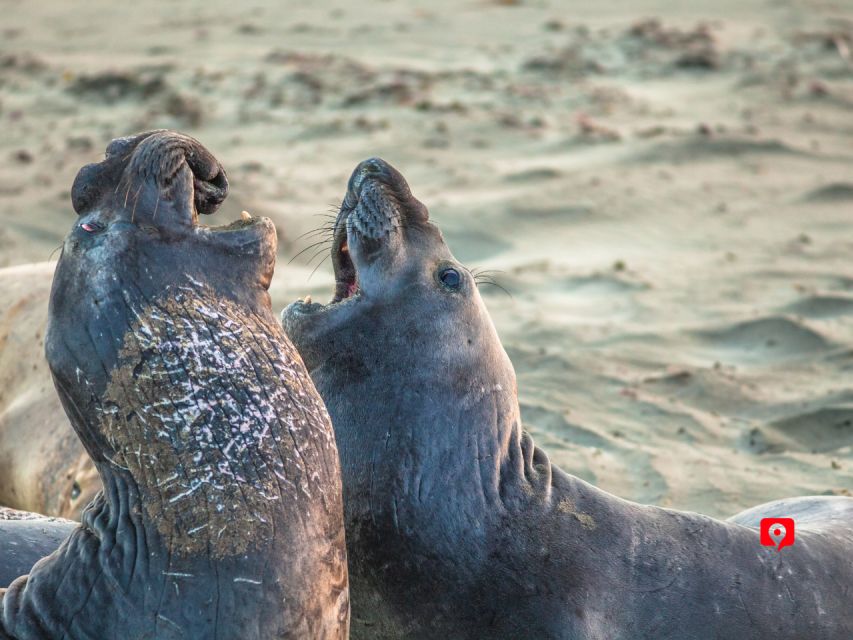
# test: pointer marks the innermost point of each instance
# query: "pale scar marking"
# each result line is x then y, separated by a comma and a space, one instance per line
198, 410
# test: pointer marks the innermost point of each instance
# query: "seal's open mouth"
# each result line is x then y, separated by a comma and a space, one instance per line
377, 208
346, 275
377, 229
246, 219
367, 215
346, 272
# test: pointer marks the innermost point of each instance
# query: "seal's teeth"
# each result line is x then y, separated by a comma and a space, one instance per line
307, 300
245, 215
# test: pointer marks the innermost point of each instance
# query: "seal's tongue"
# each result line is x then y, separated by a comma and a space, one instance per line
160, 177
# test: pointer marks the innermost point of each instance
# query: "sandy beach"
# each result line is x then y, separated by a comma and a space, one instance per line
663, 192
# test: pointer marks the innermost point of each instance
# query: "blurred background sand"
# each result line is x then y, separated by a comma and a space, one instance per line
666, 189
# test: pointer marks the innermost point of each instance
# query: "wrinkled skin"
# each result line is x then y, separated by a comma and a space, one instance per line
221, 514
43, 466
459, 527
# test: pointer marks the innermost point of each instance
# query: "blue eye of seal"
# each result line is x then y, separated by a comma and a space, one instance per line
450, 278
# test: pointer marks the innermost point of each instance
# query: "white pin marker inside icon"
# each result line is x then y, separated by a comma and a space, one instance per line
777, 533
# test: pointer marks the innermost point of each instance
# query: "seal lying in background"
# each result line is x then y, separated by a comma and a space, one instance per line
221, 514
27, 537
43, 466
459, 527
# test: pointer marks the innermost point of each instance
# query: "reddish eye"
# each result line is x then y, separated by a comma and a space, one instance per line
91, 227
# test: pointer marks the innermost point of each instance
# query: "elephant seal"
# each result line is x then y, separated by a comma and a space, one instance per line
221, 514
43, 466
459, 527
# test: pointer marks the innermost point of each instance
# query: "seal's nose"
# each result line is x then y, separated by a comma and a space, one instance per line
159, 166
370, 168
376, 170
180, 168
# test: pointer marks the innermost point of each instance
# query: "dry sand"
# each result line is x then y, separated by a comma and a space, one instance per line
667, 188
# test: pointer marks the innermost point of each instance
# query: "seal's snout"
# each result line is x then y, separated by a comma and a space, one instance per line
373, 166
143, 172
370, 168
376, 170
375, 183
173, 162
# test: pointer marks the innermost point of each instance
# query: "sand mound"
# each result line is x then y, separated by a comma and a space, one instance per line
822, 306
764, 339
835, 192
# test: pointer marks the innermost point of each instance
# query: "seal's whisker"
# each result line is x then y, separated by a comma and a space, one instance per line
50, 257
494, 284
486, 277
319, 230
485, 272
318, 234
319, 252
136, 202
309, 247
317, 267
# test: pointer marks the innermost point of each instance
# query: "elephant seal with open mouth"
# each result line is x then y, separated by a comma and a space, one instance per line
459, 527
221, 514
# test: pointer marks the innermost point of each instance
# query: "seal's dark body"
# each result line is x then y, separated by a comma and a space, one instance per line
25, 538
196, 411
459, 527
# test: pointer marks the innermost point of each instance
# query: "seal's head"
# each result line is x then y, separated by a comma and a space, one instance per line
138, 232
396, 280
143, 201
406, 346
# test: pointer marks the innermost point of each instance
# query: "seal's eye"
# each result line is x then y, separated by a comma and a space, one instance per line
450, 278
91, 227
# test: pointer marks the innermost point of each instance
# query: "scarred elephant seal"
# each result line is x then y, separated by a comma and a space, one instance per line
459, 527
221, 513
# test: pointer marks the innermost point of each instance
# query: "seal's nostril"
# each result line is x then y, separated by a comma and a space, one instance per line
372, 166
